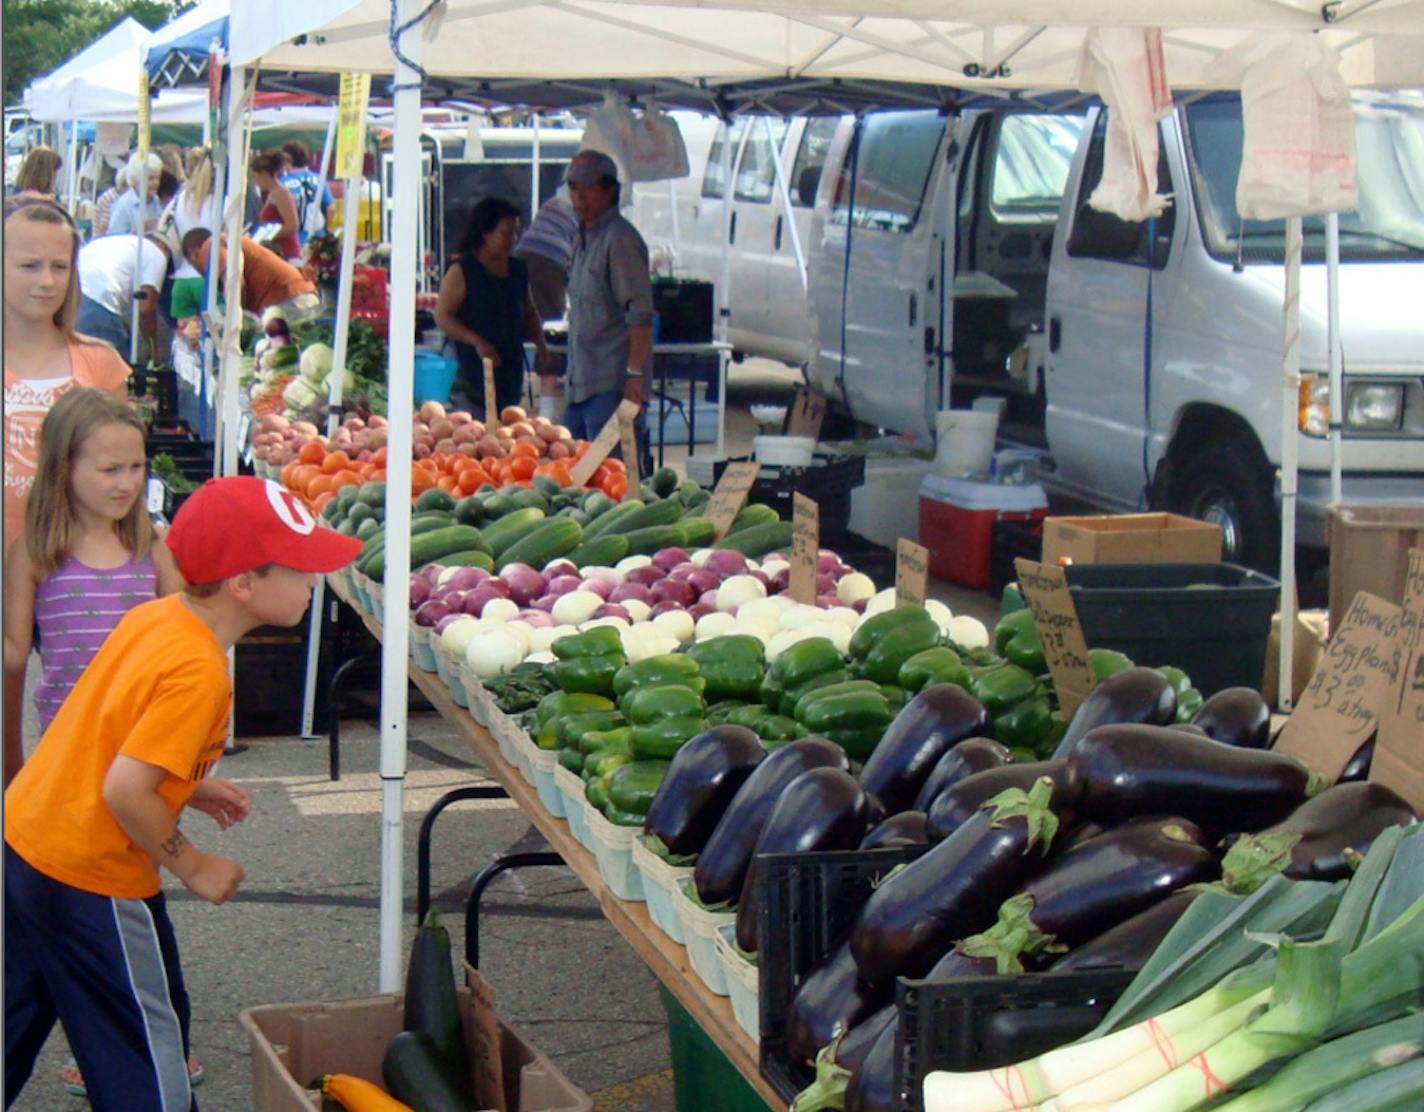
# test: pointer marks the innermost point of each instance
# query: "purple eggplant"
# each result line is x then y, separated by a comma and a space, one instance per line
700, 784
1128, 945
1316, 841
1074, 836
1142, 695
831, 1001
926, 727
1123, 772
958, 803
1092, 888
822, 809
905, 829
872, 1087
968, 757
722, 865
953, 890
1359, 765
856, 1045
1236, 716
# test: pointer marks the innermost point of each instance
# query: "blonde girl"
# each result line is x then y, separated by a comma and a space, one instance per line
39, 172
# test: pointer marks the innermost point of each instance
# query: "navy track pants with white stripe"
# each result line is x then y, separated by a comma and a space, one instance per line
108, 970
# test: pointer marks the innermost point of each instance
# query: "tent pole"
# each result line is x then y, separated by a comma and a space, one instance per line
1290, 450
217, 154
724, 284
72, 178
1337, 355
534, 171
786, 204
395, 636
230, 363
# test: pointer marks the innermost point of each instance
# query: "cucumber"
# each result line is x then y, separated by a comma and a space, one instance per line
659, 513
417, 1074
608, 521
427, 548
646, 541
500, 534
755, 513
471, 558
372, 493
524, 499
433, 519
758, 540
596, 504
665, 481
694, 503
552, 538
600, 552
497, 505
469, 511
548, 487
434, 499
697, 532
689, 489
363, 530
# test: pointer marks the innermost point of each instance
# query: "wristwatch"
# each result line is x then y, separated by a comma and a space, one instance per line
632, 373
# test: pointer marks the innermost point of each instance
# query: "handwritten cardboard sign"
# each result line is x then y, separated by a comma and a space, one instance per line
484, 1043
808, 410
628, 438
912, 573
1340, 707
603, 444
730, 495
805, 548
1400, 744
1045, 589
491, 400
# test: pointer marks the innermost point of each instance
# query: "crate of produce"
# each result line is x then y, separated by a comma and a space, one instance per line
699, 934
976, 1023
1211, 620
571, 787
159, 383
808, 903
742, 980
292, 1044
829, 479
660, 880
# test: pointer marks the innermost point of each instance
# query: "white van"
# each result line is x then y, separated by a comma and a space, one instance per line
954, 257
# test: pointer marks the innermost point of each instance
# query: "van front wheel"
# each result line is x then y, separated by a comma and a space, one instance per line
1230, 484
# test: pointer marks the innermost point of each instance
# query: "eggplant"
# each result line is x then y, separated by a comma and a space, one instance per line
1359, 766
1123, 772
937, 718
1142, 695
958, 803
1075, 836
831, 1001
700, 784
1316, 841
968, 757
905, 829
1128, 945
955, 889
858, 1041
1095, 887
822, 809
1236, 716
722, 865
872, 1087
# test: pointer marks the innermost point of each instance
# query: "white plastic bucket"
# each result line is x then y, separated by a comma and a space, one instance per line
965, 441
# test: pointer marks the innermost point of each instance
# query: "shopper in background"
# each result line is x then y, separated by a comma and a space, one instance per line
125, 217
88, 937
104, 206
39, 173
44, 355
547, 248
267, 281
610, 302
312, 195
111, 274
278, 205
192, 208
485, 308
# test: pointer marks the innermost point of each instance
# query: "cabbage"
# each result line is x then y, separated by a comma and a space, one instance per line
299, 394
316, 362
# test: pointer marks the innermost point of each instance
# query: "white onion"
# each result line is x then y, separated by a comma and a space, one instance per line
884, 600
700, 556
739, 589
940, 613
576, 607
856, 585
760, 609
458, 633
677, 624
967, 632
783, 640
493, 653
500, 610
520, 631
611, 620
637, 610
628, 563
714, 625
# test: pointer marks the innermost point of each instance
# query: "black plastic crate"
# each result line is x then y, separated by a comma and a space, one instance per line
809, 901
684, 312
1009, 540
1210, 620
976, 1023
828, 479
161, 383
269, 672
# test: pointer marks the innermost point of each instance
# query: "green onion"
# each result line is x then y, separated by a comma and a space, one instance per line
1399, 1087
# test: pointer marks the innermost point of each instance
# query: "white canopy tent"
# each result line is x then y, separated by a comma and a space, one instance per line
98, 81
740, 54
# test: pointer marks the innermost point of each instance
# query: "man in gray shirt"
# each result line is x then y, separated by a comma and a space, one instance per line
610, 302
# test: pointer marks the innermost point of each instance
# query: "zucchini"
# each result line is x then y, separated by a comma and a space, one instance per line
754, 513
608, 521
643, 542
758, 540
500, 534
426, 548
431, 1009
550, 539
600, 552
697, 532
418, 1074
470, 558
658, 513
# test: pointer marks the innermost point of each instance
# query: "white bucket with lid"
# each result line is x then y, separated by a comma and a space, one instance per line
964, 441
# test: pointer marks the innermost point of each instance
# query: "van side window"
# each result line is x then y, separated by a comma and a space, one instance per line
1100, 235
756, 174
811, 159
891, 159
1032, 161
712, 184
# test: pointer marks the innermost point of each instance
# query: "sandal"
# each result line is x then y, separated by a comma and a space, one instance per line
73, 1081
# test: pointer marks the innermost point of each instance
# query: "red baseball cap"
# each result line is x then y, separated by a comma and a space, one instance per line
232, 525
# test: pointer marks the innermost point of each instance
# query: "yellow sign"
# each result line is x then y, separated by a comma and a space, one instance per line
144, 124
351, 124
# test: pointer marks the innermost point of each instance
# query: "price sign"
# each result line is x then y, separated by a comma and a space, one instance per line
488, 1059
731, 495
602, 444
491, 400
805, 548
153, 496
351, 124
145, 126
628, 438
912, 572
1340, 706
1045, 589
1400, 744
808, 410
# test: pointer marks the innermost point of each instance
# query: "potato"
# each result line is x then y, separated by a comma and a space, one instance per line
431, 410
511, 414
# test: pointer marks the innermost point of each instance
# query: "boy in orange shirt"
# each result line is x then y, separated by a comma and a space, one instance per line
94, 813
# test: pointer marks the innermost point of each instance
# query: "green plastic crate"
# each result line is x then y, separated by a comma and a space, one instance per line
703, 1079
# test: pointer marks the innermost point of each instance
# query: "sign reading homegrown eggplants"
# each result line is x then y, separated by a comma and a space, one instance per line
730, 495
912, 571
1045, 589
805, 548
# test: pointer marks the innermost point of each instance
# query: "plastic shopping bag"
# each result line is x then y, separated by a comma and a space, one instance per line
1124, 66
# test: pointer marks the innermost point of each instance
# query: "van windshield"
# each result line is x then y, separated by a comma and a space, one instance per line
1387, 224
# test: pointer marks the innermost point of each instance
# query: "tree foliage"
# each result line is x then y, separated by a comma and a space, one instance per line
41, 35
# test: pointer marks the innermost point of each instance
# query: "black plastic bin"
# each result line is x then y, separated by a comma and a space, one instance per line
828, 479
1210, 620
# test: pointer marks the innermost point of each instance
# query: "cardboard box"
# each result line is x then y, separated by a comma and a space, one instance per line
1369, 551
1312, 629
293, 1044
1157, 538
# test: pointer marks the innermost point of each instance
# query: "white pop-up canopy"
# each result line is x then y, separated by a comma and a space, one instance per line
99, 80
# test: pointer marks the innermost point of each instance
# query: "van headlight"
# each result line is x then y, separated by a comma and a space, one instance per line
1313, 417
1374, 406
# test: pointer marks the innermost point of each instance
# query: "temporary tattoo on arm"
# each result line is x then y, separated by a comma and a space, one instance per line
173, 844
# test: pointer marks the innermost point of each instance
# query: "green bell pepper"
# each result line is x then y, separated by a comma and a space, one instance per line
557, 704
750, 715
574, 728
589, 674
1025, 725
895, 696
882, 662
1107, 662
793, 695
1002, 687
660, 740
820, 693
1180, 681
1025, 649
1010, 626
599, 765
617, 740
931, 666
732, 665
596, 792
668, 668
868, 634
571, 759
632, 786
619, 817
778, 727
771, 691
548, 735
719, 713
1012, 599
667, 700
805, 660
599, 641
849, 711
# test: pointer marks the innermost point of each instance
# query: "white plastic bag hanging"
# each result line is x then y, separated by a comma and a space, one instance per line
646, 148
1124, 66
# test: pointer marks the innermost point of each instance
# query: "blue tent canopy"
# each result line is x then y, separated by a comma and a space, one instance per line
178, 51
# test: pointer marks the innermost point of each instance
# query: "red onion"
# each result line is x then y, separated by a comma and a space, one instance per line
666, 606
669, 558
637, 591
757, 573
826, 600
683, 570
561, 567
613, 610
725, 562
563, 584
536, 618
780, 581
545, 602
464, 579
431, 573
419, 591
702, 580
708, 599
431, 612
477, 599
859, 605
647, 575
600, 586
448, 620
525, 584
825, 584
698, 609
495, 584
672, 590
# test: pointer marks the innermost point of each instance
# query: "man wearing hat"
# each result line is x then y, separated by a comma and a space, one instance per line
610, 301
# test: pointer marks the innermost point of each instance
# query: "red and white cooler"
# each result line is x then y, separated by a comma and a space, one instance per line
957, 517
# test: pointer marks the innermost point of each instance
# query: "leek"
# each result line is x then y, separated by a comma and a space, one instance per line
1398, 1087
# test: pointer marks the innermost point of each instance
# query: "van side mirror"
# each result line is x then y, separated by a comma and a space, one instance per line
1101, 235
807, 183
